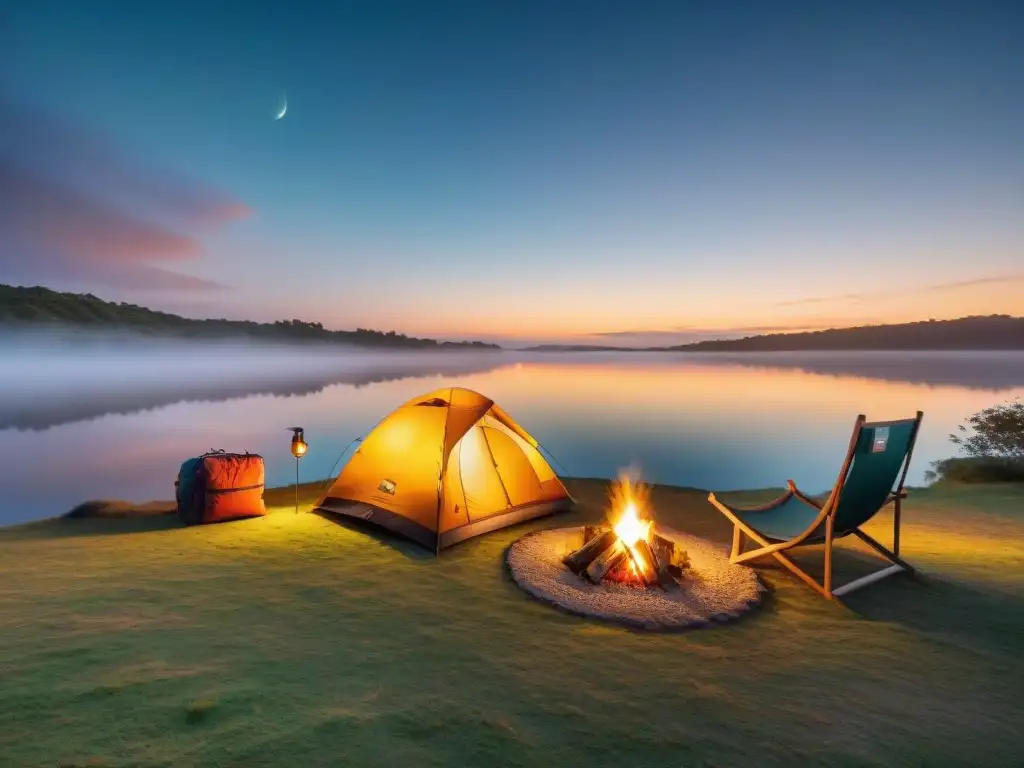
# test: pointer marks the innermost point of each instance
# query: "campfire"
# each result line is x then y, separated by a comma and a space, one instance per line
626, 549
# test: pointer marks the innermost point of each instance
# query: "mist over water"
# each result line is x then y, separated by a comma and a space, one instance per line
113, 416
103, 357
50, 379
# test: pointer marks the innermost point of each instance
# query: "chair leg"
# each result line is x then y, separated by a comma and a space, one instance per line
737, 542
898, 566
737, 554
804, 576
863, 581
827, 587
775, 551
880, 549
824, 589
896, 527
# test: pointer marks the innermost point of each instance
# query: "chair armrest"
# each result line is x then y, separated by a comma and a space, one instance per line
767, 506
801, 495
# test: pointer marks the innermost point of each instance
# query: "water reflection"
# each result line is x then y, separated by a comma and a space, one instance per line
47, 392
988, 371
76, 430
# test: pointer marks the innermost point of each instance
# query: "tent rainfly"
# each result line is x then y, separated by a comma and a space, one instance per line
445, 467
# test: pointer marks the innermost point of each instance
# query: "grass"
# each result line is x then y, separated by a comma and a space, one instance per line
295, 641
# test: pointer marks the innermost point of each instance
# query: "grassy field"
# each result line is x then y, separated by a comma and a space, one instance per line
294, 641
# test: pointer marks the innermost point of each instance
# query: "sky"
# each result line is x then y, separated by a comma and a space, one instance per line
519, 171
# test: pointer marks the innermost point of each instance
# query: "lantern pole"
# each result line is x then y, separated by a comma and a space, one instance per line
299, 448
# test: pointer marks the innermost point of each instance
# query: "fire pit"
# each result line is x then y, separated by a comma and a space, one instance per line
632, 570
628, 550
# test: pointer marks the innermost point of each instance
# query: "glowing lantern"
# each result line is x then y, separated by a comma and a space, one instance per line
299, 444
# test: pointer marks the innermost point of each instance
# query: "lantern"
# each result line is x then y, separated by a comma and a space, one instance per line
299, 444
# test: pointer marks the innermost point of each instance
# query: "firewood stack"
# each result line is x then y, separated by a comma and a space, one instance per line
654, 563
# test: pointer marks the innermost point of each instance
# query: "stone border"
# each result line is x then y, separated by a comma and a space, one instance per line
649, 625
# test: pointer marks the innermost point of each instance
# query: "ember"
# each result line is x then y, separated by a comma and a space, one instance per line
627, 550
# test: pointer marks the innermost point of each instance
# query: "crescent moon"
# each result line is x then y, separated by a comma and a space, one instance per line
283, 111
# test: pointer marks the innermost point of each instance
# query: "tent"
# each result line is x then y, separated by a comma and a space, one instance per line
444, 467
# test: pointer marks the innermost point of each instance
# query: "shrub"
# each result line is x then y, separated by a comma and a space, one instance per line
977, 469
997, 431
993, 440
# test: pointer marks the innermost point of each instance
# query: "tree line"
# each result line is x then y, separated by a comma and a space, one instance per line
36, 306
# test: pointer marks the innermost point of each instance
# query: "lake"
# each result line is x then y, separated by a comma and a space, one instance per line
114, 421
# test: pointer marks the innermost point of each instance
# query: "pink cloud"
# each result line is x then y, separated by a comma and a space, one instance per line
75, 211
47, 214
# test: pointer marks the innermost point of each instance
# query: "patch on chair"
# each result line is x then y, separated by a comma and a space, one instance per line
881, 440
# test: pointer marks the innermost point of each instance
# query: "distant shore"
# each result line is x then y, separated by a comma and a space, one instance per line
38, 308
988, 333
35, 309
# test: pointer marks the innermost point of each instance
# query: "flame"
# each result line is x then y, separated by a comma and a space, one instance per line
629, 514
630, 528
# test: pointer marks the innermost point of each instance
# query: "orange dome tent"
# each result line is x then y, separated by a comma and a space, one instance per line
445, 467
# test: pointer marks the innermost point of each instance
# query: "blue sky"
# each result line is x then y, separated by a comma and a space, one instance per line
524, 171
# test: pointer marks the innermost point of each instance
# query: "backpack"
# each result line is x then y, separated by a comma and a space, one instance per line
219, 486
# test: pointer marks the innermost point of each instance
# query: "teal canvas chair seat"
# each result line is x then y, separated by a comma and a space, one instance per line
871, 478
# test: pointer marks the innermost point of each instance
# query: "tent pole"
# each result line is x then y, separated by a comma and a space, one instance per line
440, 477
501, 480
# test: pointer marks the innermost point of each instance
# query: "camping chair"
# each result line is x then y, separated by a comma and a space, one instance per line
878, 452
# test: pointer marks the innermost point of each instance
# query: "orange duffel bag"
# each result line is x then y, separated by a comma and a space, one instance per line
220, 486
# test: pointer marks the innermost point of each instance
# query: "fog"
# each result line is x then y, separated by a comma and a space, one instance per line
47, 379
118, 413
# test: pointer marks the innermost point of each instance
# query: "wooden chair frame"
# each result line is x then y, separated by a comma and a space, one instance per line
826, 516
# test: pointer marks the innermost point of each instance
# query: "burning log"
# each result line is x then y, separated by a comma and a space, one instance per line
622, 572
667, 559
594, 544
664, 549
667, 552
608, 559
606, 556
628, 550
645, 561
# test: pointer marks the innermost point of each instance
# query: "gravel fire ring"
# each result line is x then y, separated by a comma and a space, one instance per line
713, 590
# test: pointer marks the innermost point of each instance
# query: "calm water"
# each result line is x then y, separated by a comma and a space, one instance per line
115, 422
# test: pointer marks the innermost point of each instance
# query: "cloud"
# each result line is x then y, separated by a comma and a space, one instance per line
712, 331
821, 299
1012, 277
75, 211
654, 331
811, 324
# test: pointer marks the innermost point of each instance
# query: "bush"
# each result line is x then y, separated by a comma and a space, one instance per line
978, 469
993, 440
997, 431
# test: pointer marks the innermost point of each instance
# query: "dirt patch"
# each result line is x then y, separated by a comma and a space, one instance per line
119, 509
